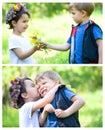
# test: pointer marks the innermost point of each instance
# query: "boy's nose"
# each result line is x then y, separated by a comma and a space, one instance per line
41, 86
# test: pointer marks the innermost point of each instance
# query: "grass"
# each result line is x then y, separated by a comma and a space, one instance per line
90, 115
54, 30
10, 117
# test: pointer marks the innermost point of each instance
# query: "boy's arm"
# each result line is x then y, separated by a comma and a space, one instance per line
47, 99
100, 52
59, 47
47, 109
42, 117
78, 102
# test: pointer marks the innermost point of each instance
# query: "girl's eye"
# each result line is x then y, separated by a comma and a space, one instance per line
25, 21
33, 85
73, 13
38, 87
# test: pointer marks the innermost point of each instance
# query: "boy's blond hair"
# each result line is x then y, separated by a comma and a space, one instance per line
49, 74
88, 7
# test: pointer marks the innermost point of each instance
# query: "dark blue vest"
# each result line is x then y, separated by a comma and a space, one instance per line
90, 48
63, 103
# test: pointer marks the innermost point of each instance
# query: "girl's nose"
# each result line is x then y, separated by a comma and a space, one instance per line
40, 88
27, 24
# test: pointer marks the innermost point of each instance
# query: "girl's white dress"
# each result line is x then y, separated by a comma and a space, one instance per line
22, 42
25, 117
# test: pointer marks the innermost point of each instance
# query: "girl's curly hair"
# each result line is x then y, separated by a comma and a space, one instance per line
15, 13
16, 89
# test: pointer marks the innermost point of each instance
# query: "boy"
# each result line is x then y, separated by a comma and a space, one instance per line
63, 111
85, 42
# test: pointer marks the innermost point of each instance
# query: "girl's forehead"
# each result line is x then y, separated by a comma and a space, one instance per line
28, 82
24, 16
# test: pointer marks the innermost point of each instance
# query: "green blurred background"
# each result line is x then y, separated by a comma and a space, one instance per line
54, 22
87, 80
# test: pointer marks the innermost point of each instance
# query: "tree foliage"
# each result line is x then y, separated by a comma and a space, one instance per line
40, 10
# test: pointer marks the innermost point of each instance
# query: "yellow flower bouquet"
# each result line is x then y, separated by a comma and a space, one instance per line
35, 39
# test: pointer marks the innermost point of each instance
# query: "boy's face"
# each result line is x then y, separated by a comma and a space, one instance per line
77, 15
44, 85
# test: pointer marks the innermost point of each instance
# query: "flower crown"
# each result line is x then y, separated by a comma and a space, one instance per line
14, 11
15, 91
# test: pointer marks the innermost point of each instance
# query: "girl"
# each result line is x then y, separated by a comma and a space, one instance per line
24, 96
20, 49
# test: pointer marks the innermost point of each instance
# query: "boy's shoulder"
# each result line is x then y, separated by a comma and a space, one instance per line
91, 23
66, 92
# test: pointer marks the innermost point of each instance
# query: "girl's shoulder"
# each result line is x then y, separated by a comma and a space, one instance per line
13, 36
18, 38
27, 105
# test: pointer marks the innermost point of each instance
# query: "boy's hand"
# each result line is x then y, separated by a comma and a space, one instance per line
49, 108
60, 113
40, 46
45, 43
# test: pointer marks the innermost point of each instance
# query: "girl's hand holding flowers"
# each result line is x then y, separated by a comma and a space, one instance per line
35, 39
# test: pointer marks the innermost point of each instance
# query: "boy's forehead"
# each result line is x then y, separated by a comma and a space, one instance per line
73, 8
41, 80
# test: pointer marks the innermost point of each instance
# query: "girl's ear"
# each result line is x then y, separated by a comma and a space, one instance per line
13, 23
24, 95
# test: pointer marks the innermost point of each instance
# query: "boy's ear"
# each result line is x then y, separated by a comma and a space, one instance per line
24, 95
84, 12
56, 81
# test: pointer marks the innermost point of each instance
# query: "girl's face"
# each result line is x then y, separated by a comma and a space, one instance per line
21, 25
44, 85
77, 15
32, 91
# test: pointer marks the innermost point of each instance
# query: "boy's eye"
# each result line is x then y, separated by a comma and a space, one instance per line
44, 83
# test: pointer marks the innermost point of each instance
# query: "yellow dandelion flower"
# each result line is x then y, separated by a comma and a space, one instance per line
38, 45
12, 79
15, 7
74, 90
34, 40
17, 82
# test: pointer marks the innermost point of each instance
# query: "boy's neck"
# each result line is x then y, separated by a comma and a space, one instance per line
85, 20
